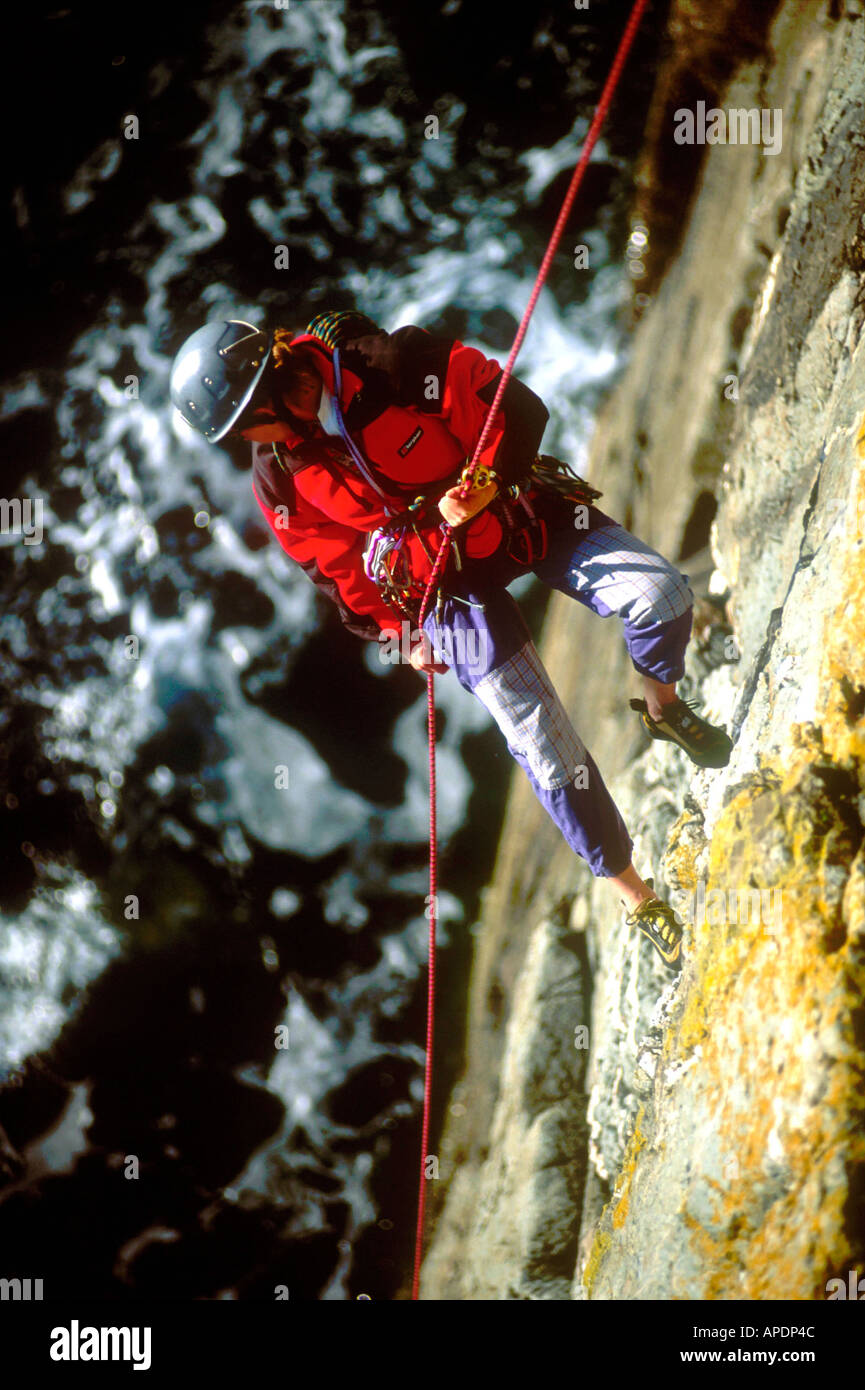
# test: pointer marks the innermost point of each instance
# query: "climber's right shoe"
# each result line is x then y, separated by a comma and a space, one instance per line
705, 745
657, 920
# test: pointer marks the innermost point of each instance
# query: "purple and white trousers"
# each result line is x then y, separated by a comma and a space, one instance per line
482, 636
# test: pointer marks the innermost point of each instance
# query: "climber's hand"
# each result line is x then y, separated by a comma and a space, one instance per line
456, 510
421, 658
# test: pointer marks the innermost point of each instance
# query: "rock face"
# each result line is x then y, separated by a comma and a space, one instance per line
618, 1134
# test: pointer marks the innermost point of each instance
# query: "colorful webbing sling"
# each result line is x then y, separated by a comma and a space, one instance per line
331, 327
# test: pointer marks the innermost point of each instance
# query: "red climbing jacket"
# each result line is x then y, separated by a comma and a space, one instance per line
330, 553
415, 403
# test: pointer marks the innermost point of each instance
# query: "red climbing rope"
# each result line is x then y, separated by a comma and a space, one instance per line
441, 559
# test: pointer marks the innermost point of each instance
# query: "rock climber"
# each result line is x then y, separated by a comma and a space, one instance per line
359, 441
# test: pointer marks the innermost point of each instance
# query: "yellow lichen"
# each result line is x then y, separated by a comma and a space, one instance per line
781, 1240
622, 1191
787, 1115
600, 1245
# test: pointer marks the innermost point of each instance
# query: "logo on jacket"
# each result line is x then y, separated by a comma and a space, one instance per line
410, 442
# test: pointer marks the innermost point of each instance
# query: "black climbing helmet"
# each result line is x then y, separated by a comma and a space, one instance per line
215, 374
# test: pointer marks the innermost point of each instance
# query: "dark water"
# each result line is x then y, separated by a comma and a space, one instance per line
166, 908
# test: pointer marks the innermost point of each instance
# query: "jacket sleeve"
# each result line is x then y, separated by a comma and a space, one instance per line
331, 555
442, 376
349, 501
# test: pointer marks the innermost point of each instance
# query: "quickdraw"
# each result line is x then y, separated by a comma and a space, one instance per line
557, 476
386, 561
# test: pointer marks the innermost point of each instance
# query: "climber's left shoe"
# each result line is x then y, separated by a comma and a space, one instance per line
657, 920
704, 744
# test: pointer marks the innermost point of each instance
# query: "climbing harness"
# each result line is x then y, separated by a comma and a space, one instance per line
527, 539
441, 559
529, 545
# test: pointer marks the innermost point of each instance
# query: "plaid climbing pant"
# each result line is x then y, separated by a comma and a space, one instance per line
480, 633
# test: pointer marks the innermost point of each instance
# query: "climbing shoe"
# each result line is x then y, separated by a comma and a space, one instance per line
657, 920
704, 744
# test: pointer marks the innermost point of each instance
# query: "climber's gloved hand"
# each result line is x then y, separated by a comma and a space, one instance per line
456, 510
421, 658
